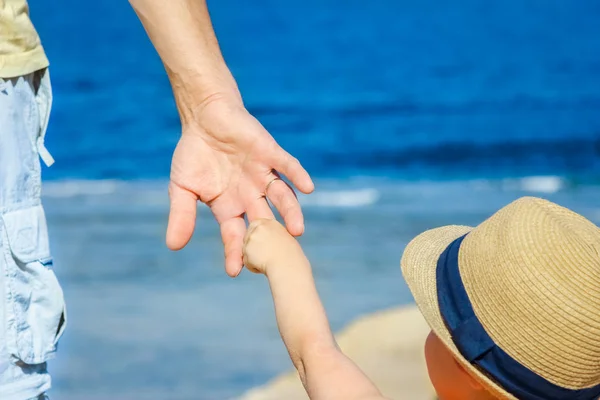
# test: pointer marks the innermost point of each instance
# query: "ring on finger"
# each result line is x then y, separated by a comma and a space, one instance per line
269, 185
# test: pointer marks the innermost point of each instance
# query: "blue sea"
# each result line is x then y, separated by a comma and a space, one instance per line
408, 114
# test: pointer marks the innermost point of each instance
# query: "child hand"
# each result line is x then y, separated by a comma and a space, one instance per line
267, 242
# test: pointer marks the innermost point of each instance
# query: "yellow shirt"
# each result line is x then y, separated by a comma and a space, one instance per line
21, 51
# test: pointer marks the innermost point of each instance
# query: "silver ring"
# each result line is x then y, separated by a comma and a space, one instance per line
269, 184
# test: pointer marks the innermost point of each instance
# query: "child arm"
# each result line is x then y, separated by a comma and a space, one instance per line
325, 371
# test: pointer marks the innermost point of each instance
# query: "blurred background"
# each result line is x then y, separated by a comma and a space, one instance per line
408, 114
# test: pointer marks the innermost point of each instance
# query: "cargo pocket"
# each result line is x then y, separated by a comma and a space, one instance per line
36, 308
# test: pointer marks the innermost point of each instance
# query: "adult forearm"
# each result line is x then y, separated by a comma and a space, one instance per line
300, 314
182, 33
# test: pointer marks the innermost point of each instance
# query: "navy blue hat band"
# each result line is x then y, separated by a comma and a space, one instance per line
478, 348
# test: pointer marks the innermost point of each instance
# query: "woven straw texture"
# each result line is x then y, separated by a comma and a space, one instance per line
532, 273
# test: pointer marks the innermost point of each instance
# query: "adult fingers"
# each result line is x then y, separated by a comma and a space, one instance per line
232, 233
258, 208
289, 166
182, 217
285, 201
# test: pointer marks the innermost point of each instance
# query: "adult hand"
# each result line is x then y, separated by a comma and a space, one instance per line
226, 159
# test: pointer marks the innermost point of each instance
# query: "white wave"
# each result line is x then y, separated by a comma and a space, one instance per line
343, 198
536, 184
334, 193
73, 188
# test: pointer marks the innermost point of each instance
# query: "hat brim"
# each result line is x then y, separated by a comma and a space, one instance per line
419, 265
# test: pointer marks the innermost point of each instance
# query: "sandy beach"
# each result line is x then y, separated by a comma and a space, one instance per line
387, 345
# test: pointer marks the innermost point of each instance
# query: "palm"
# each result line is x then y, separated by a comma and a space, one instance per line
226, 161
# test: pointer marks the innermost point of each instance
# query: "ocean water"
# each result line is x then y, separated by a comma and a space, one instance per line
409, 115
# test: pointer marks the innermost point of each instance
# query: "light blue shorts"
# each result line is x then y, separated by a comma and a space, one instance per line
32, 308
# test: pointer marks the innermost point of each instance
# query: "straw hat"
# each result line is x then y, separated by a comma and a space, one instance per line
532, 275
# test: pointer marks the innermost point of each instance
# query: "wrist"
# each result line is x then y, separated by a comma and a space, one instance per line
194, 92
292, 265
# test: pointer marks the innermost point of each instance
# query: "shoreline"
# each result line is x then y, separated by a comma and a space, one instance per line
387, 345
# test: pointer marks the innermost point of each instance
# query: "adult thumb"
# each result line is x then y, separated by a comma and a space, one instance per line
182, 217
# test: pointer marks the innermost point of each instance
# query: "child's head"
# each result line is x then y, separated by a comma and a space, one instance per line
514, 304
